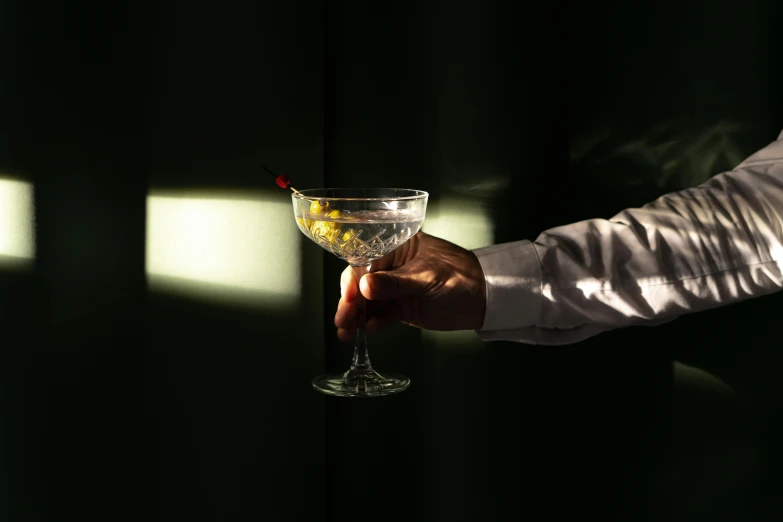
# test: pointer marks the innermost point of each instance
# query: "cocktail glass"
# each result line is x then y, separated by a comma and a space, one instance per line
360, 226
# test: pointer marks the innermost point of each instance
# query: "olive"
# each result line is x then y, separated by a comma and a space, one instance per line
316, 207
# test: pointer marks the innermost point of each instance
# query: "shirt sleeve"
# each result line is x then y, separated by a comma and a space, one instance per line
704, 247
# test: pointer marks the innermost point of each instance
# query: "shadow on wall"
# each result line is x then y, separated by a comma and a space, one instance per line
237, 248
667, 156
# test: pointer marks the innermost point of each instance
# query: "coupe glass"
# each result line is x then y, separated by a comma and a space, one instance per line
360, 226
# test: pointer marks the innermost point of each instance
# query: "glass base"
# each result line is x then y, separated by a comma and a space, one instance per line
360, 384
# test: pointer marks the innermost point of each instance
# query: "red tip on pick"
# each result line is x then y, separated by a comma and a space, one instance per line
282, 181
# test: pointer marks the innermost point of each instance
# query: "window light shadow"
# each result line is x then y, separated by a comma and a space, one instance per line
460, 220
17, 223
234, 248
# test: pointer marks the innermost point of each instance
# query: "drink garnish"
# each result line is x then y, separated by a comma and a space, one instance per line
324, 230
282, 181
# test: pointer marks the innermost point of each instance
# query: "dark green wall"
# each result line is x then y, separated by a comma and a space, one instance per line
123, 403
128, 404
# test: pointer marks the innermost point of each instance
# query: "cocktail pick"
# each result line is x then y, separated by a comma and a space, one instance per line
281, 180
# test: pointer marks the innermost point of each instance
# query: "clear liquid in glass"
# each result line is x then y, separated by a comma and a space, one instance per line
359, 237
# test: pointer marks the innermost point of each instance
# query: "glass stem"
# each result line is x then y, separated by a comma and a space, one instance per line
361, 358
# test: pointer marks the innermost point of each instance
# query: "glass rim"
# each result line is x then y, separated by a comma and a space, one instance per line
302, 194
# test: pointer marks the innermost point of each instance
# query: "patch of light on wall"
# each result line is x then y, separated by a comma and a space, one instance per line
243, 249
17, 223
460, 220
461, 340
695, 378
468, 224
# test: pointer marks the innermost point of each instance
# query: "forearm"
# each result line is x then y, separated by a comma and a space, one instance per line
696, 249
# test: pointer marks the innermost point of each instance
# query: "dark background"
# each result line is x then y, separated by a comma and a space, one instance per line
124, 403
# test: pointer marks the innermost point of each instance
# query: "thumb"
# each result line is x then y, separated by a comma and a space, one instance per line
386, 286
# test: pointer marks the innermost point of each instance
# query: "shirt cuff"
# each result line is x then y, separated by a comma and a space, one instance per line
512, 272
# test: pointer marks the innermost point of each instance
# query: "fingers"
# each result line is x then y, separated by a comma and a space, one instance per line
380, 318
381, 289
345, 319
347, 334
385, 263
346, 277
400, 256
348, 286
386, 286
346, 314
384, 318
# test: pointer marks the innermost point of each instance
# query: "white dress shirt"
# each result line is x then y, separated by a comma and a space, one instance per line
708, 246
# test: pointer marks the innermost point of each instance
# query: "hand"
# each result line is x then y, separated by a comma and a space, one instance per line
427, 283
